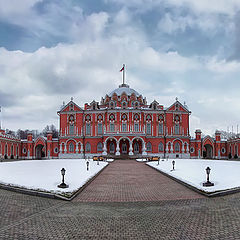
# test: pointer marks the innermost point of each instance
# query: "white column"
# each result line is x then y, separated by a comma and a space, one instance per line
183, 150
60, 149
77, 148
130, 148
171, 150
187, 148
144, 149
81, 148
65, 148
104, 148
167, 148
117, 149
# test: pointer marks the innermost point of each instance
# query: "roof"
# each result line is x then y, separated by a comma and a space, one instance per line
124, 88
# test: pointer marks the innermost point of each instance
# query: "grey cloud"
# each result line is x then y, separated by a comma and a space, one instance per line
7, 99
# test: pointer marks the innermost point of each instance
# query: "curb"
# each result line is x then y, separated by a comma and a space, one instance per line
48, 194
212, 194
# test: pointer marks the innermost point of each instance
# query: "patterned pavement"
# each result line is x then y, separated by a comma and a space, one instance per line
195, 218
131, 181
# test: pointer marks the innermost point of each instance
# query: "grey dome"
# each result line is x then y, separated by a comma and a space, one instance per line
124, 88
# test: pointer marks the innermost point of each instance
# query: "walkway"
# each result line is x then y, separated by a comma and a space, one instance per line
29, 217
131, 181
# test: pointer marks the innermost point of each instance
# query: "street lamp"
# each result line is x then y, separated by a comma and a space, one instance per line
208, 183
173, 164
87, 165
63, 184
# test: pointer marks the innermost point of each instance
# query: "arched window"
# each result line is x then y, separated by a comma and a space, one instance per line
136, 117
136, 127
99, 147
124, 127
160, 128
112, 127
136, 147
88, 147
71, 147
148, 129
149, 147
177, 147
149, 118
124, 117
124, 104
112, 147
100, 128
88, 129
160, 147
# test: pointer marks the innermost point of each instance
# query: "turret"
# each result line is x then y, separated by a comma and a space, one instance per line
218, 136
29, 136
198, 134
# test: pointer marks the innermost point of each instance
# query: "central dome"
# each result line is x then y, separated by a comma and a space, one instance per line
124, 88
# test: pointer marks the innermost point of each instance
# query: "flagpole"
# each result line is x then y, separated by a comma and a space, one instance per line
123, 74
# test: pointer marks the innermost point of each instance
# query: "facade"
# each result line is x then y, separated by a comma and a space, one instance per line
124, 124
121, 125
10, 147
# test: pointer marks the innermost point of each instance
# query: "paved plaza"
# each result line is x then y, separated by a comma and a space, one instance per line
128, 200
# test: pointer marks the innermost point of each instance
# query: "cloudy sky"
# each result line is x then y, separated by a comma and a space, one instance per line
53, 50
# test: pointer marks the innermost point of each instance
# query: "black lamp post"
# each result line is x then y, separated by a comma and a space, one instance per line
63, 184
173, 164
87, 165
208, 183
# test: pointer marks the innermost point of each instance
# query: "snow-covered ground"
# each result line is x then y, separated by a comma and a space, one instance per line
224, 174
46, 174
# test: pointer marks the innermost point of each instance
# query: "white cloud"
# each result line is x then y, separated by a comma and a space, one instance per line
13, 7
229, 7
88, 68
223, 66
174, 23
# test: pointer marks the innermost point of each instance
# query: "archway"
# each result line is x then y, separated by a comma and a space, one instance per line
111, 146
40, 151
124, 146
208, 151
137, 146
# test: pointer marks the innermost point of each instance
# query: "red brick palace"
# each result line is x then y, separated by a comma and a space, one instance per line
121, 124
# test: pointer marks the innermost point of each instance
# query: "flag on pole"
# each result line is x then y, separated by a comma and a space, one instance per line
122, 69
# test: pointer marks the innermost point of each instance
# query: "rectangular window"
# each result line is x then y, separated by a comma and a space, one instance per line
112, 127
124, 127
148, 130
177, 131
88, 129
160, 128
136, 127
100, 131
71, 129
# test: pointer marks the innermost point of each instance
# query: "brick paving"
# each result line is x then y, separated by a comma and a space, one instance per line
188, 219
27, 217
131, 181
